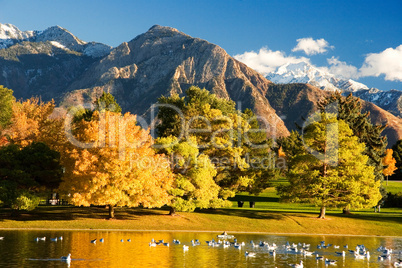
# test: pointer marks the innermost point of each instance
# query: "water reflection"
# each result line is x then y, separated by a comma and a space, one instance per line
19, 249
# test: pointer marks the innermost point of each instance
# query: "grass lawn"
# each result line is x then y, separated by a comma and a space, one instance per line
268, 216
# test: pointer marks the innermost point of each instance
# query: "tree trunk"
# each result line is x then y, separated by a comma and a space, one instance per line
322, 213
111, 212
172, 211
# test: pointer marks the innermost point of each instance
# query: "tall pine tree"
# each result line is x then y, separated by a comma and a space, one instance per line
350, 110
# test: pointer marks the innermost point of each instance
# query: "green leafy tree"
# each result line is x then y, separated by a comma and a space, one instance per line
6, 106
337, 175
106, 102
194, 185
233, 140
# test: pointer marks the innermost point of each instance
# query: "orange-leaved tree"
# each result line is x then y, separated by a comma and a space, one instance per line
389, 163
34, 121
110, 162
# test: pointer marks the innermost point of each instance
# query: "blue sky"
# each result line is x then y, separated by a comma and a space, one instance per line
359, 39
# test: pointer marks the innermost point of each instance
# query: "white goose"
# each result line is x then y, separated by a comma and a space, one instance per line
297, 265
250, 254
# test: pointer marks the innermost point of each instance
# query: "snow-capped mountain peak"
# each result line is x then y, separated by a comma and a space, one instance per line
57, 36
10, 34
304, 72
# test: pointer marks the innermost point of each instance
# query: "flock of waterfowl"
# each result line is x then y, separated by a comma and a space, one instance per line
358, 252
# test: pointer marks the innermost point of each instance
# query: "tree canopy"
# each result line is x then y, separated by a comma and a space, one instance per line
233, 140
119, 168
336, 174
6, 103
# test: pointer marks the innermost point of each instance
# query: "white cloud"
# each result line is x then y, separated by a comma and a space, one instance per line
311, 46
266, 60
387, 62
341, 69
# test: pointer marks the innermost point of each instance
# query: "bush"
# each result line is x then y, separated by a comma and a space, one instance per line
25, 201
394, 200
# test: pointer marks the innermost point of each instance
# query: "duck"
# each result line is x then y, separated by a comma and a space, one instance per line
40, 239
297, 265
53, 239
129, 240
185, 247
176, 241
307, 253
101, 240
166, 244
66, 258
319, 258
122, 240
336, 247
1, 237
340, 253
330, 262
152, 244
272, 252
250, 254
237, 246
60, 238
93, 241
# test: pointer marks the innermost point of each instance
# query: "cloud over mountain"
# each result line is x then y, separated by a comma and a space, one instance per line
387, 62
267, 60
311, 46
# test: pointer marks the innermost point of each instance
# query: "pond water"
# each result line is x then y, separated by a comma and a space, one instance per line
19, 249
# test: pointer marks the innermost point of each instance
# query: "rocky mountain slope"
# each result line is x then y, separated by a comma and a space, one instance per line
54, 64
304, 72
163, 61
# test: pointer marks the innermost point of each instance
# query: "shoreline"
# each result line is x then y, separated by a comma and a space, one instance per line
186, 231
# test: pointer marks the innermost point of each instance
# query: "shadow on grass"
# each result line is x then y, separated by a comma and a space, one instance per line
65, 213
278, 215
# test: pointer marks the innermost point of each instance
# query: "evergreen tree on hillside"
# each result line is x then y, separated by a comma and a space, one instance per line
397, 154
349, 110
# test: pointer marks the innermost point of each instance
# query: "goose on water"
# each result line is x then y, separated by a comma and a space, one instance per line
330, 262
297, 265
340, 253
66, 258
250, 254
319, 258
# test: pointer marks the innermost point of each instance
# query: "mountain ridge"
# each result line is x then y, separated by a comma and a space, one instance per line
161, 61
304, 72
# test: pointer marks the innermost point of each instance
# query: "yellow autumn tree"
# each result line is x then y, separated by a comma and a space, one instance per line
110, 161
389, 163
34, 121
